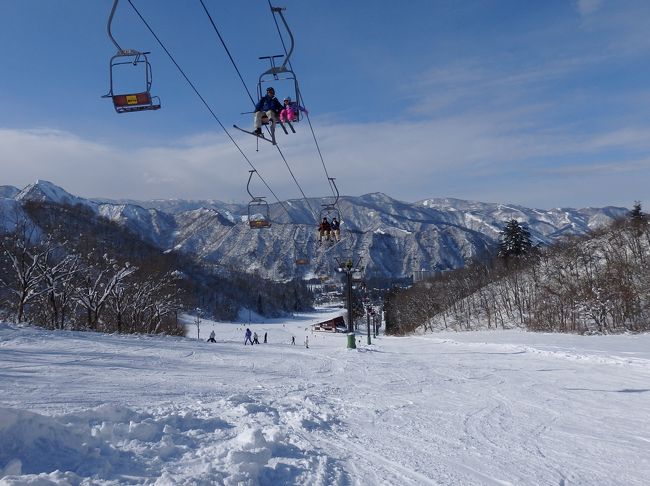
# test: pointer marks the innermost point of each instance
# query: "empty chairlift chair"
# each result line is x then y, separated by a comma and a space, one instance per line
258, 209
129, 101
129, 64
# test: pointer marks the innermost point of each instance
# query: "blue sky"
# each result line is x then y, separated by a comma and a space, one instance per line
539, 103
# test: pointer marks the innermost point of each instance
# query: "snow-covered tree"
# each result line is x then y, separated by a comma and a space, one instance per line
97, 286
26, 257
58, 275
143, 306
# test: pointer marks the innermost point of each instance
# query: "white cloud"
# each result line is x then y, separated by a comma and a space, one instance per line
473, 156
587, 7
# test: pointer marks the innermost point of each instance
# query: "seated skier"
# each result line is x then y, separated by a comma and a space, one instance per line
290, 110
268, 106
324, 230
335, 227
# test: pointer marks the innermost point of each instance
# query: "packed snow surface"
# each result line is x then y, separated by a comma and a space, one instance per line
488, 408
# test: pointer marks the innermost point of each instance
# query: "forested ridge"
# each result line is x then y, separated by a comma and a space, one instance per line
594, 283
64, 267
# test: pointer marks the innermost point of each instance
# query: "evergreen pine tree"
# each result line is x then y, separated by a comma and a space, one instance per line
638, 219
515, 240
636, 215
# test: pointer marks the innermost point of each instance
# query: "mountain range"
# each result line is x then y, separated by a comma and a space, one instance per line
390, 238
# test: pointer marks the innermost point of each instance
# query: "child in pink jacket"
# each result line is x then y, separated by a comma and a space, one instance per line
290, 111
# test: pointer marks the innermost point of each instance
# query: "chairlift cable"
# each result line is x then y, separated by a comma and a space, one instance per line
214, 26
223, 43
320, 154
296, 181
311, 127
205, 103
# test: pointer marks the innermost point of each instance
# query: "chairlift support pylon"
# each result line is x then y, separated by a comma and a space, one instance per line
129, 102
257, 203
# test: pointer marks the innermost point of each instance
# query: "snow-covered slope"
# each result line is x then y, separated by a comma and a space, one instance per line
45, 191
478, 408
545, 225
393, 238
11, 213
8, 191
150, 225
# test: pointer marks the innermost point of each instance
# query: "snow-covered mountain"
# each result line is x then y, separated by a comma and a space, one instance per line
393, 238
8, 191
44, 191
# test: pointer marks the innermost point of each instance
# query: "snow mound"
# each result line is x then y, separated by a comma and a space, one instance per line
32, 444
112, 444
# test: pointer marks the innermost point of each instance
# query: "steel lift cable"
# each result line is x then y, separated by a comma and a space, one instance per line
320, 154
232, 60
223, 43
205, 103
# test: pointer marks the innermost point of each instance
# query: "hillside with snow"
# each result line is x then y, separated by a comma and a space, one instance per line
393, 238
505, 407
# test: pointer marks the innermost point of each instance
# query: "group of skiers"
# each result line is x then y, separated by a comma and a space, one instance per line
326, 229
252, 337
269, 106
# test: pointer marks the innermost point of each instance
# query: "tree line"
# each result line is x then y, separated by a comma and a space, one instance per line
599, 282
49, 283
63, 267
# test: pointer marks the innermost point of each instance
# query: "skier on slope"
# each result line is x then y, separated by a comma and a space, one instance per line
211, 339
248, 337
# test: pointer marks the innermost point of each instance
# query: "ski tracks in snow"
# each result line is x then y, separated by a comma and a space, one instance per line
106, 409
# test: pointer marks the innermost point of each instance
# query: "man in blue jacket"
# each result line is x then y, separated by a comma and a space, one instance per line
248, 335
267, 106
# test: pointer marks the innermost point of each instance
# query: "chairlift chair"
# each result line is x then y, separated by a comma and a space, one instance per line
257, 206
126, 102
281, 78
329, 211
129, 102
282, 73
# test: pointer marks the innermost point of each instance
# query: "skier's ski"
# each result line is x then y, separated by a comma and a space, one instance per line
284, 128
260, 137
329, 244
290, 126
